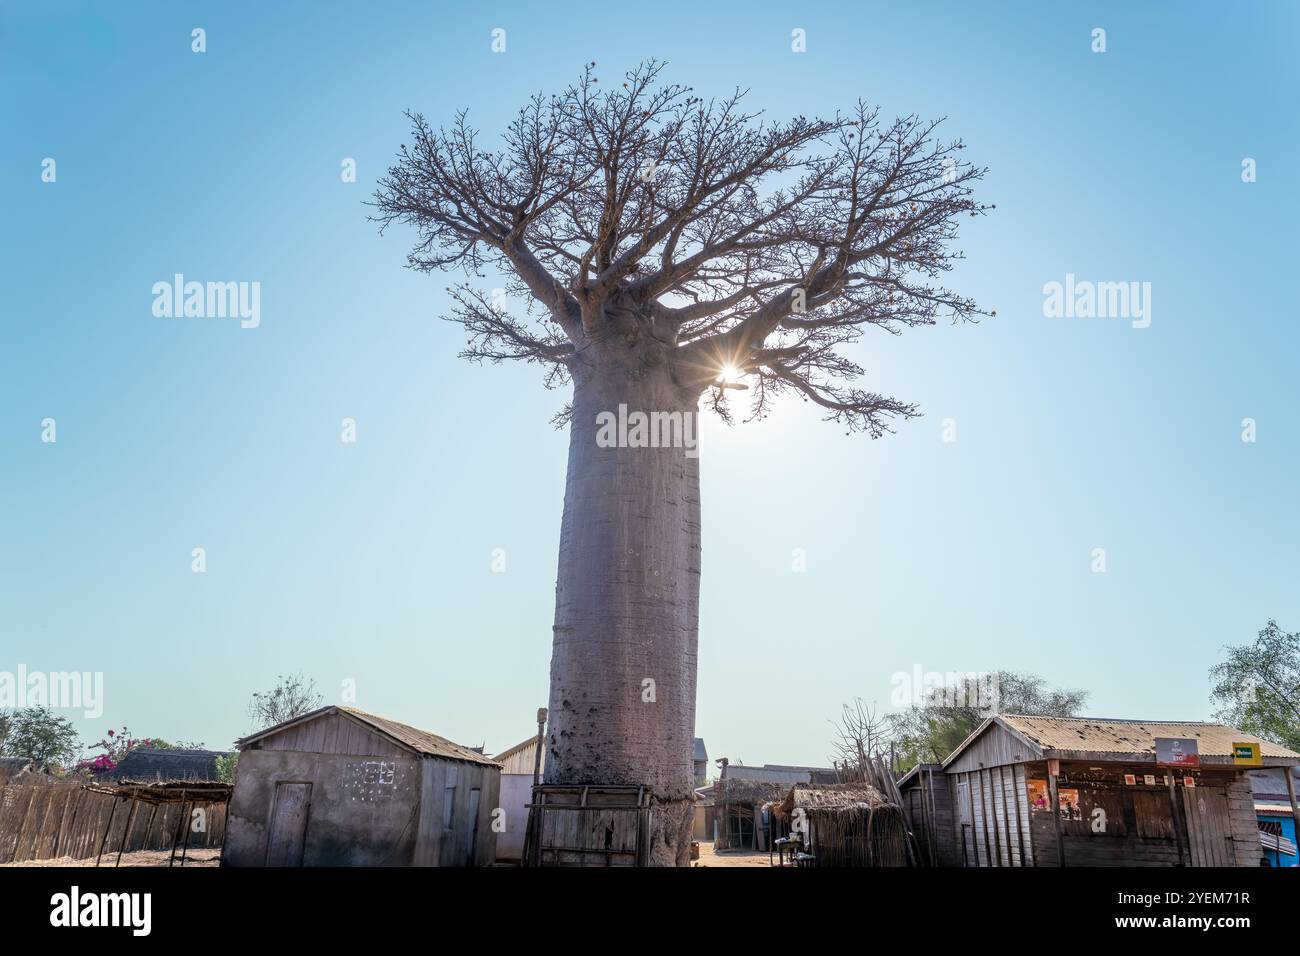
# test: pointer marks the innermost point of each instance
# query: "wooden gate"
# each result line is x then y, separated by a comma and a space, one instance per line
588, 826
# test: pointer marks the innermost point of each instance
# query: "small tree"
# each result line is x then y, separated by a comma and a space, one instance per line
1258, 686
932, 730
48, 740
291, 697
227, 765
861, 736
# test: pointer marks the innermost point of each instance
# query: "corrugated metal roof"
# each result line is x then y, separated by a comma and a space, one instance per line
413, 738
422, 741
783, 775
1136, 737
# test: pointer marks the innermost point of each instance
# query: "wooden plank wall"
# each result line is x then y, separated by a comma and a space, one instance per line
334, 734
995, 812
928, 803
49, 821
469, 840
1215, 823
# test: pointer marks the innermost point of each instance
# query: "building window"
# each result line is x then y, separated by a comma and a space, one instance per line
448, 806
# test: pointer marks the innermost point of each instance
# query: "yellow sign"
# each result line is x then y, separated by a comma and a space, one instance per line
1246, 754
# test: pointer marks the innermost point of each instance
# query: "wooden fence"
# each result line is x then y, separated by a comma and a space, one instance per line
45, 821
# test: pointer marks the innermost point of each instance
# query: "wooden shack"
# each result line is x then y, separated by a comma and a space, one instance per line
927, 804
1054, 791
744, 797
341, 787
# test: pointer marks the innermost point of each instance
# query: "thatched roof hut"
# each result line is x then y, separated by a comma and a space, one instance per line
847, 824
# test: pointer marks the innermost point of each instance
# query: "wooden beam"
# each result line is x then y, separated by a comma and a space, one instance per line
1295, 810
1055, 801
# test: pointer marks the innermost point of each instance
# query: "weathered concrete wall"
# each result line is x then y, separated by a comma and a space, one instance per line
363, 809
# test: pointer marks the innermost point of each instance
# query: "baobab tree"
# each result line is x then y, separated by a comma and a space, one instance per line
673, 251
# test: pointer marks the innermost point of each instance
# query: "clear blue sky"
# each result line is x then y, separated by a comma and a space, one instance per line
372, 562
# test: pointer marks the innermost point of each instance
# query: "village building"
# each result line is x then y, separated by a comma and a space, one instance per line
20, 770
151, 764
744, 798
845, 825
341, 787
1051, 791
700, 759
927, 802
1275, 815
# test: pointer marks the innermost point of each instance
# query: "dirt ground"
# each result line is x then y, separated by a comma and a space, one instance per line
730, 857
206, 857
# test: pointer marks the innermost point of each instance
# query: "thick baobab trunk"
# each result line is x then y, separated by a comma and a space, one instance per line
622, 703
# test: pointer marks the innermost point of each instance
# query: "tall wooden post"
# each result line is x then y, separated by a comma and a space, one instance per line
126, 834
723, 840
1054, 771
541, 743
532, 832
1289, 773
112, 809
171, 861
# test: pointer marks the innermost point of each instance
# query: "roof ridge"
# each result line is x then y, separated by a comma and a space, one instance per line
1120, 720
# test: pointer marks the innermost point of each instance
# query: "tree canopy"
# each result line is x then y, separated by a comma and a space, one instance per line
693, 229
1258, 686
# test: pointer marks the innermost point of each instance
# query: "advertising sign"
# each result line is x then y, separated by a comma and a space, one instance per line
1246, 754
1177, 752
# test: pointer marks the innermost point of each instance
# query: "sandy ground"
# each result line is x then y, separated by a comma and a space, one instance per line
206, 857
731, 857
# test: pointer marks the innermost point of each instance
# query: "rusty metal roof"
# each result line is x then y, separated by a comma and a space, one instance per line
412, 738
1100, 739
1091, 735
420, 740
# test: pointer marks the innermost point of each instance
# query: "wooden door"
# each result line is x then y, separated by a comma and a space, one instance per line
1209, 832
288, 830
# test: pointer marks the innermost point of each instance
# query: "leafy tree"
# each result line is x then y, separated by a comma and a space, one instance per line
1258, 686
673, 250
291, 697
227, 764
39, 734
932, 730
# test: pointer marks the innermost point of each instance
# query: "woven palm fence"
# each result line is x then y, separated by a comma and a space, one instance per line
46, 821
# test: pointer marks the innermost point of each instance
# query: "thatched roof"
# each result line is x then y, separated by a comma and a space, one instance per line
151, 763
12, 767
832, 797
756, 792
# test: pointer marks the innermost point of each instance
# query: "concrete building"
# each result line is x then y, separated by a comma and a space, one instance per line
340, 787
